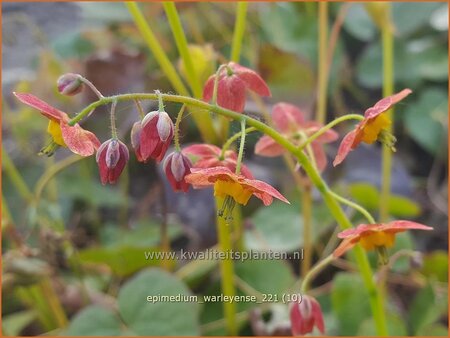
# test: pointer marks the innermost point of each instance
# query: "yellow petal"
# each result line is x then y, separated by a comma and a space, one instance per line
55, 131
233, 189
373, 128
378, 238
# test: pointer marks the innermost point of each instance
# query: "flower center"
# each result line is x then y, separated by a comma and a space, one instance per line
233, 189
55, 131
377, 239
373, 128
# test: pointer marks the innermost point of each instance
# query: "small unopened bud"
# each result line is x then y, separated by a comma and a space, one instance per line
70, 84
112, 156
305, 315
176, 167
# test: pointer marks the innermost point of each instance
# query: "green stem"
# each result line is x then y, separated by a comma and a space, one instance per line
226, 271
233, 138
314, 272
355, 206
323, 66
202, 119
241, 148
160, 101
333, 205
182, 45
112, 117
306, 196
139, 108
176, 139
239, 29
388, 89
15, 177
216, 84
330, 125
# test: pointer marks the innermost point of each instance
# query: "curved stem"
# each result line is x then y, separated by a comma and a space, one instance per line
355, 206
233, 138
139, 108
216, 85
176, 139
182, 45
239, 29
330, 125
91, 86
241, 148
314, 272
375, 298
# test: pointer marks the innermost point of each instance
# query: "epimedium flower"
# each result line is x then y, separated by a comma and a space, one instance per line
77, 139
233, 80
152, 136
305, 315
377, 237
176, 167
209, 156
232, 187
290, 121
111, 157
372, 128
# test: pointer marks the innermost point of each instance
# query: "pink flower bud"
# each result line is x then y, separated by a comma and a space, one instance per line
69, 84
135, 140
176, 167
112, 156
155, 136
305, 315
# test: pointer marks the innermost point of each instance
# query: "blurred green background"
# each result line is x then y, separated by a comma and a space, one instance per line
73, 250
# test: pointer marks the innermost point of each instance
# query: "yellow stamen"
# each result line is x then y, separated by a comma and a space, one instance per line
374, 127
376, 239
233, 189
55, 131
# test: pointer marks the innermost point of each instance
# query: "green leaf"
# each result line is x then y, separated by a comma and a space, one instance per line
163, 318
13, 324
266, 276
123, 260
95, 320
350, 302
435, 265
433, 331
426, 308
426, 120
279, 227
359, 24
410, 17
395, 323
369, 197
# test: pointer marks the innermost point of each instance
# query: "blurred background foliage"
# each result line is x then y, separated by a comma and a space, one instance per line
73, 250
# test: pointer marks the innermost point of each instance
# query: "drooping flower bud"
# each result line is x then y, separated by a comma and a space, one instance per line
305, 315
135, 140
176, 167
69, 84
156, 134
112, 156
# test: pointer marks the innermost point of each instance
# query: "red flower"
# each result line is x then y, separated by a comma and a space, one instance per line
176, 167
209, 156
112, 156
372, 128
305, 315
77, 139
152, 136
227, 183
233, 80
373, 236
290, 121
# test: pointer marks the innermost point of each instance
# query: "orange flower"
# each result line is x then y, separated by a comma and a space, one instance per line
375, 236
77, 139
234, 188
372, 128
